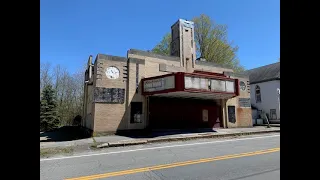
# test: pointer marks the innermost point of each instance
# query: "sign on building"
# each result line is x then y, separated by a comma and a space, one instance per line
230, 86
217, 85
196, 83
205, 115
245, 102
109, 95
159, 84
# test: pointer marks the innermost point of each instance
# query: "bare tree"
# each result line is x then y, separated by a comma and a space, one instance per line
45, 76
68, 88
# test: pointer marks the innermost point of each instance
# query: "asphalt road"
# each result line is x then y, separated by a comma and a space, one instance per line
245, 158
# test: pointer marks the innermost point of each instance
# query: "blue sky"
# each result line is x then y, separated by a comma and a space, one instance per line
71, 30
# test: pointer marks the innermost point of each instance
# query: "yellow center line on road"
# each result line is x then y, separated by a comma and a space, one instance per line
172, 165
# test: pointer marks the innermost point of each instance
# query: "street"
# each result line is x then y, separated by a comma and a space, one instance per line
250, 157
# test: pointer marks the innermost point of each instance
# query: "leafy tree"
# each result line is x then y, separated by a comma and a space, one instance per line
211, 43
48, 113
163, 47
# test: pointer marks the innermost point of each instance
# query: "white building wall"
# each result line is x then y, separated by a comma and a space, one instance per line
269, 96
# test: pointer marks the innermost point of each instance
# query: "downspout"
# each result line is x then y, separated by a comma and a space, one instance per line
278, 90
90, 67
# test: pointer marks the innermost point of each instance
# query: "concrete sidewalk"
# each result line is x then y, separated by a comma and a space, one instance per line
116, 140
272, 125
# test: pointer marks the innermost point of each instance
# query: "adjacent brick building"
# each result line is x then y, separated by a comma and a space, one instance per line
147, 90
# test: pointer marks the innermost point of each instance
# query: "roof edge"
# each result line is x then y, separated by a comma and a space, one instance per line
152, 54
266, 80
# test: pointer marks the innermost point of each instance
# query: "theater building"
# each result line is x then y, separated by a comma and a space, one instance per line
147, 90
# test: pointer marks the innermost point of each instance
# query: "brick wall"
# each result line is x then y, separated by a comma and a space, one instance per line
243, 114
109, 117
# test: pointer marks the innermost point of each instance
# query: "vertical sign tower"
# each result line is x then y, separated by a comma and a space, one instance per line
182, 44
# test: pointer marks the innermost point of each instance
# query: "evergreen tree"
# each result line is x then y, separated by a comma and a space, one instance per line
48, 113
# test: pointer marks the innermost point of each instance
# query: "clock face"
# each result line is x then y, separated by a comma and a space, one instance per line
112, 72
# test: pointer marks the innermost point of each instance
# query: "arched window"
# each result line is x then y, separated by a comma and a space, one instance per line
258, 94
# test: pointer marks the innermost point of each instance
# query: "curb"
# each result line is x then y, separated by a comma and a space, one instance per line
168, 139
127, 143
122, 143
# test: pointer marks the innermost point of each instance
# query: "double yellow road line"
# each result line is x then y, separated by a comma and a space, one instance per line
178, 164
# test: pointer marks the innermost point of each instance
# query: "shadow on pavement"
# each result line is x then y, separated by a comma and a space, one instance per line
70, 133
65, 133
158, 133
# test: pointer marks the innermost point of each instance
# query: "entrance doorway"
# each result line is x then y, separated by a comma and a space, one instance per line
183, 113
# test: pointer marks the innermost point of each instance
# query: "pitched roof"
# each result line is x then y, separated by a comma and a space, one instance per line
264, 73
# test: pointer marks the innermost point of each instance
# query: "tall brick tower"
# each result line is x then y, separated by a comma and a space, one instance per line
182, 44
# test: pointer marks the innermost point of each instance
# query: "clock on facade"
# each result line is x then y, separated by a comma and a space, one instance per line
112, 72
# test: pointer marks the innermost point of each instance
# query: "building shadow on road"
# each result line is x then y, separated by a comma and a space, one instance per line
65, 133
